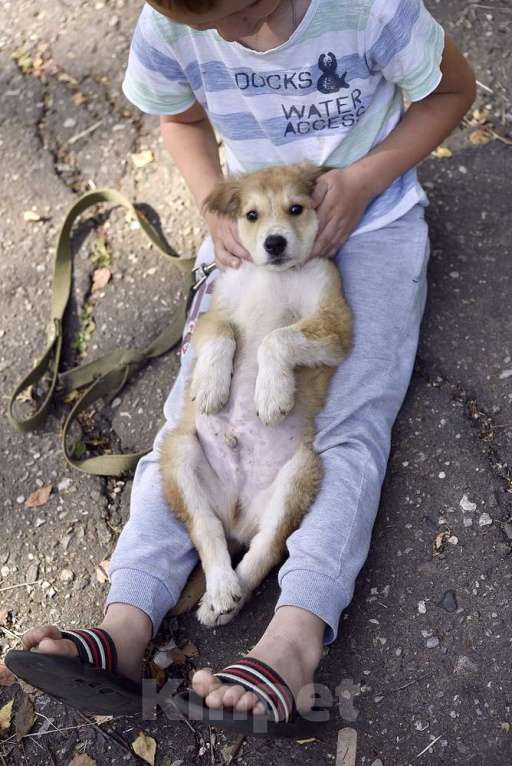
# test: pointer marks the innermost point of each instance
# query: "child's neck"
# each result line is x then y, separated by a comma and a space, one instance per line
279, 27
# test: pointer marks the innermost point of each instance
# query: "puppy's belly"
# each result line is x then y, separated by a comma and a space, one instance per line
245, 454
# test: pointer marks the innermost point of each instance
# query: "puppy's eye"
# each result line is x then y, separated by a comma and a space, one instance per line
295, 209
252, 215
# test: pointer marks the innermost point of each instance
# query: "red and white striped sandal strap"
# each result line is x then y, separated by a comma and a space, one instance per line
258, 677
94, 646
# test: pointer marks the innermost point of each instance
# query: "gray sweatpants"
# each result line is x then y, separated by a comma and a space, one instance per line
384, 276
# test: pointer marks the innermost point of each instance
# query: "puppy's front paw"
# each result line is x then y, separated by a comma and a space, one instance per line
274, 397
210, 390
222, 601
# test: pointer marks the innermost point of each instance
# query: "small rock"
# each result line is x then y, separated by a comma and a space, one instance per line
39, 522
464, 666
484, 520
448, 601
4, 571
20, 499
32, 572
67, 575
507, 528
467, 521
453, 540
377, 762
432, 642
115, 403
422, 609
65, 484
466, 505
505, 374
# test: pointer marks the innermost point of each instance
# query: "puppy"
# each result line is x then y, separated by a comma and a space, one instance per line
240, 464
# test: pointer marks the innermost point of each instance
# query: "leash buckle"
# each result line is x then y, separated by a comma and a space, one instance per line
199, 276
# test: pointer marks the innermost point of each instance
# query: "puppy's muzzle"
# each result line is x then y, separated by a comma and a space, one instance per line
275, 245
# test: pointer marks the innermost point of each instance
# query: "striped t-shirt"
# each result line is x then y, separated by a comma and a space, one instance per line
329, 94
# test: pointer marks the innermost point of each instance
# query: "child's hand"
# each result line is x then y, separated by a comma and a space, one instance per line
340, 199
229, 253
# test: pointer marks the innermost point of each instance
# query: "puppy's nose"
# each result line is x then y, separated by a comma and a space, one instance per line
275, 244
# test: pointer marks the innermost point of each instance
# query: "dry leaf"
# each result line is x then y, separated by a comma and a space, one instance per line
100, 719
441, 152
145, 747
100, 279
72, 396
480, 137
78, 98
82, 759
39, 497
480, 116
178, 658
189, 649
5, 716
102, 571
24, 718
158, 674
64, 77
31, 215
140, 159
3, 616
346, 751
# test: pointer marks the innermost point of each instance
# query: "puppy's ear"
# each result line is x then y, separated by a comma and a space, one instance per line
309, 175
225, 198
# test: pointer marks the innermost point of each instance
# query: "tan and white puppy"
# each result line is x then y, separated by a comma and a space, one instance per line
240, 464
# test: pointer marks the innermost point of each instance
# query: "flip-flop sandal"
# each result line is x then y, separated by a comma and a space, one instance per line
89, 682
281, 718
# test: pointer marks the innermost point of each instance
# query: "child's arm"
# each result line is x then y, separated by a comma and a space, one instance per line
191, 142
343, 195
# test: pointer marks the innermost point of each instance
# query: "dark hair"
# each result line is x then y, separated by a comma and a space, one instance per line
193, 6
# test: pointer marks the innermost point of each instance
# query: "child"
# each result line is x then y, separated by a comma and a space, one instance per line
283, 81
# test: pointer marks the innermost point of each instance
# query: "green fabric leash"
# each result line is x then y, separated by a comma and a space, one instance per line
105, 376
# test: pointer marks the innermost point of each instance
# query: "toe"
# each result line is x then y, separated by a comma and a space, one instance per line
6, 677
215, 698
34, 636
247, 701
232, 695
61, 647
204, 682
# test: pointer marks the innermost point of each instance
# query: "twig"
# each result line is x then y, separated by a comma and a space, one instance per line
410, 683
48, 720
508, 142
84, 133
113, 735
490, 7
235, 748
485, 87
212, 745
10, 632
19, 585
429, 746
42, 733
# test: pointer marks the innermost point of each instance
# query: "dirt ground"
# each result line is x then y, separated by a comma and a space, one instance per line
425, 649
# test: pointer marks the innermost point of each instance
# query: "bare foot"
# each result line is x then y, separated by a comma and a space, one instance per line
129, 628
291, 645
